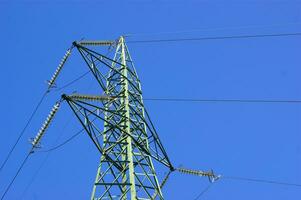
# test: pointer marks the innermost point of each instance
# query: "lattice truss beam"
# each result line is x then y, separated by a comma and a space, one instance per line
120, 127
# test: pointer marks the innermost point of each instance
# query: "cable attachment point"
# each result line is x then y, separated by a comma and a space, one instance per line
210, 174
36, 141
51, 82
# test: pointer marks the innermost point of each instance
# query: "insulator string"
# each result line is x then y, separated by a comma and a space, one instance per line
51, 82
45, 125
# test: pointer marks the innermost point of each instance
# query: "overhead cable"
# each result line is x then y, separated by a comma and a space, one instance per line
223, 100
51, 82
17, 173
203, 191
215, 38
73, 81
211, 29
35, 142
23, 131
63, 143
261, 181
23, 194
35, 175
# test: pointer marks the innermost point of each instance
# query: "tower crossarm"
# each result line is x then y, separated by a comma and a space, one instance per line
78, 100
88, 126
93, 56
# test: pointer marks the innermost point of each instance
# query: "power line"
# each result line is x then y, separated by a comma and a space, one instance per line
12, 181
73, 81
23, 130
203, 191
197, 99
63, 143
48, 154
250, 180
224, 177
293, 101
34, 176
43, 162
261, 181
66, 141
50, 84
79, 77
216, 38
222, 100
211, 29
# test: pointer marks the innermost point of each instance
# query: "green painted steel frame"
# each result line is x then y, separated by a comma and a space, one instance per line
128, 142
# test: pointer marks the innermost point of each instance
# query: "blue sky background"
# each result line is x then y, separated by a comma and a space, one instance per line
235, 139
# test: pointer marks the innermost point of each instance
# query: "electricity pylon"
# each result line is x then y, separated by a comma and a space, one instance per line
119, 126
128, 142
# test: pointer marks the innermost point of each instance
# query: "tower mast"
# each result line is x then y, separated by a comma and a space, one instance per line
128, 142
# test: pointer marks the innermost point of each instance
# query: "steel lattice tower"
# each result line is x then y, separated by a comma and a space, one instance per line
128, 142
119, 126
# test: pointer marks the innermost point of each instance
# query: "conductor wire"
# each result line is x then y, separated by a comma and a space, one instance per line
23, 130
261, 181
14, 178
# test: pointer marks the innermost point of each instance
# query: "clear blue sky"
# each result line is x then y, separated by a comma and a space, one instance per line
235, 139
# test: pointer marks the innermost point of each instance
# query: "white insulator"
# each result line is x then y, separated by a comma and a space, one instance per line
91, 98
98, 43
45, 125
59, 68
